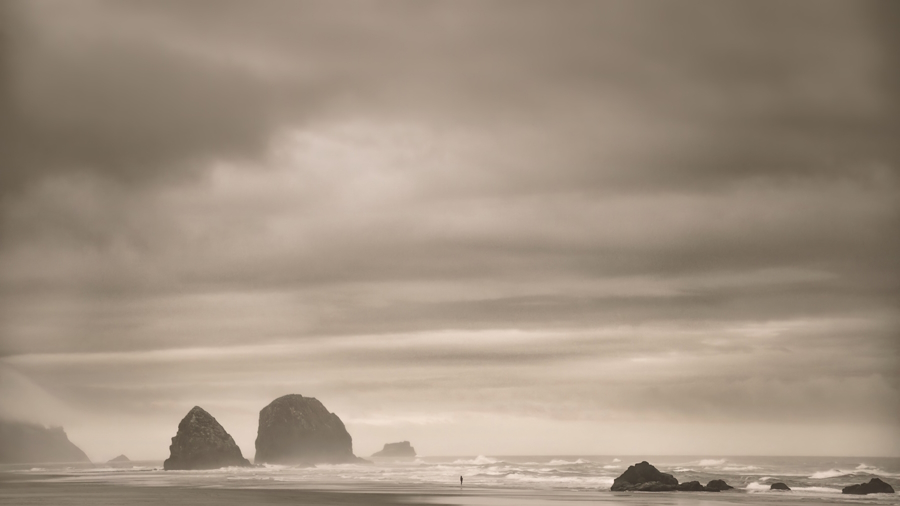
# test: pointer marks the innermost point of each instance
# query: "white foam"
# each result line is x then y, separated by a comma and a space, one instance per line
739, 468
617, 460
612, 467
711, 462
757, 487
825, 490
478, 461
568, 462
831, 473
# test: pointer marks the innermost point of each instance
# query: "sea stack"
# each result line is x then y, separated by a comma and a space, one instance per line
120, 458
779, 486
691, 486
717, 486
874, 486
29, 443
643, 477
299, 430
202, 443
401, 449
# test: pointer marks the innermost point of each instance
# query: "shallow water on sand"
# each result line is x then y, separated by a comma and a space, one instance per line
496, 481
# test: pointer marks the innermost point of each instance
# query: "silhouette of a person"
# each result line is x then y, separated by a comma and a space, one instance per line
460, 481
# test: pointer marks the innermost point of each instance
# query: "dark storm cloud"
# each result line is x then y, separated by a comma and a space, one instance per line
138, 90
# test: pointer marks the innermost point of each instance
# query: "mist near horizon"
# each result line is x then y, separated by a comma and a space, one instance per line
487, 228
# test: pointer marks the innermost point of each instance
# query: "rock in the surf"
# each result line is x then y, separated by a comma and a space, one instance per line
28, 443
779, 486
690, 486
401, 449
717, 486
874, 486
299, 430
644, 477
120, 458
202, 443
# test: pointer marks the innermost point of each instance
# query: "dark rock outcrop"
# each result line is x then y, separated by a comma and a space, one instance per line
401, 449
643, 477
120, 458
874, 486
691, 486
718, 486
299, 430
202, 443
779, 486
28, 443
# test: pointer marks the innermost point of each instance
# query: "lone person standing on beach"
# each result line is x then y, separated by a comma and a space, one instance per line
460, 482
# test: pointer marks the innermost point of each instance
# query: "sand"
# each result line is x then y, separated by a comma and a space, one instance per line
17, 491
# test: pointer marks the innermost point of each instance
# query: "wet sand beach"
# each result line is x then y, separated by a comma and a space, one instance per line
25, 492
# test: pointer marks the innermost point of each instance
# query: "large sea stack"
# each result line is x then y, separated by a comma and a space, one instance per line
401, 449
202, 443
643, 477
299, 430
28, 443
874, 486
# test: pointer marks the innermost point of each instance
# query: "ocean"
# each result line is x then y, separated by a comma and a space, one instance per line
488, 480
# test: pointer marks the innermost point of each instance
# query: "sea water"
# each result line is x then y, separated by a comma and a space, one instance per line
568, 476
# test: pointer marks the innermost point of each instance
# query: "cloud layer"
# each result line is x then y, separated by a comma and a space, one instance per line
455, 215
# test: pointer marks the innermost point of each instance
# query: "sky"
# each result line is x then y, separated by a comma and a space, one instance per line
590, 227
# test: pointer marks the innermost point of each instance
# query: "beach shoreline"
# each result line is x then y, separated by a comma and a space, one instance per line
21, 491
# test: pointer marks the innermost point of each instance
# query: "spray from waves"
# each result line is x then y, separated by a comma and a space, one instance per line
617, 460
739, 469
711, 462
860, 469
756, 487
568, 462
480, 460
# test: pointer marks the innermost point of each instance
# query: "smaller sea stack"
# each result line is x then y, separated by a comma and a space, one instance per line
779, 486
874, 486
643, 477
718, 486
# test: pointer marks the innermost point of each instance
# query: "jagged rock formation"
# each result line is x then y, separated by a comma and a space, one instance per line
874, 486
202, 443
779, 486
690, 486
27, 443
718, 486
120, 458
299, 430
401, 449
643, 477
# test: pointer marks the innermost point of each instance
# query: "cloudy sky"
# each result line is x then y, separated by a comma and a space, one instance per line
487, 228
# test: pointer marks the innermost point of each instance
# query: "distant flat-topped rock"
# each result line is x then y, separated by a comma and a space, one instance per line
779, 486
874, 486
401, 449
643, 477
202, 443
120, 458
299, 430
29, 443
